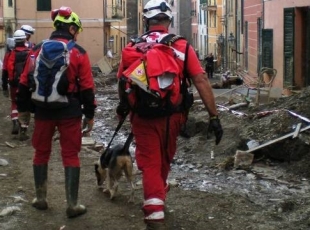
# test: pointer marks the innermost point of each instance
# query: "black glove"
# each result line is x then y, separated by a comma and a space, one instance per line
216, 127
122, 110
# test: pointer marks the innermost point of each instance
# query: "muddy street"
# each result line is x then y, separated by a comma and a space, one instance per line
272, 193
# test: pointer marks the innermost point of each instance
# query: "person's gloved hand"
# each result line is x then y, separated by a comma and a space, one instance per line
216, 127
88, 125
122, 110
6, 93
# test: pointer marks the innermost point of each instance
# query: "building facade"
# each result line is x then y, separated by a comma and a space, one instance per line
286, 42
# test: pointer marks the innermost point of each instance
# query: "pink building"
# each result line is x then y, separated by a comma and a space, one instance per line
253, 14
277, 35
288, 29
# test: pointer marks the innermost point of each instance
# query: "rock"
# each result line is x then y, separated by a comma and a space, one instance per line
3, 162
243, 159
9, 210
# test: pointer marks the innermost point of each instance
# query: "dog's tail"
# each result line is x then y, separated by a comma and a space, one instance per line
127, 143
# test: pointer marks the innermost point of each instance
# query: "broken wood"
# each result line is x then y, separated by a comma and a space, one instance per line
297, 130
10, 145
276, 140
235, 106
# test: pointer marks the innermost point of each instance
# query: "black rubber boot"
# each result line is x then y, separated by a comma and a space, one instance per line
150, 225
40, 180
23, 136
15, 128
72, 178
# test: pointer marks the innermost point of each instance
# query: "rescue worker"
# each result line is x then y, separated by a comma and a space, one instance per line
154, 150
67, 120
29, 30
15, 65
9, 47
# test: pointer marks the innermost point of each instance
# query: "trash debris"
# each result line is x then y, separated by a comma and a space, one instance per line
19, 199
243, 159
276, 140
212, 154
88, 141
9, 211
10, 144
252, 144
3, 162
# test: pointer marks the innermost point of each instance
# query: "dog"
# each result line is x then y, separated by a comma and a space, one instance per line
111, 165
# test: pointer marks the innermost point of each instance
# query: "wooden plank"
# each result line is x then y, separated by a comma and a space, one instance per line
278, 139
297, 130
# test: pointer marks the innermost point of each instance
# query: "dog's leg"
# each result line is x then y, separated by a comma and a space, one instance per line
108, 183
114, 187
129, 175
132, 195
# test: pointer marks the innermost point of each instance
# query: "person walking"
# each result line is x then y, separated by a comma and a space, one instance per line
10, 45
15, 64
209, 65
29, 30
154, 148
67, 120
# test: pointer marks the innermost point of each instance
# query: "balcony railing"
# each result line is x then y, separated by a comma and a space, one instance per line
211, 2
209, 5
212, 5
113, 13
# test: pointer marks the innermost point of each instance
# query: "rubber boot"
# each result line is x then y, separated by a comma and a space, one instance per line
15, 127
40, 180
23, 134
152, 225
72, 178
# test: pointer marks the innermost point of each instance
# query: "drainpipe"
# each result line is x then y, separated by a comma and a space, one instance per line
15, 12
104, 4
226, 37
236, 34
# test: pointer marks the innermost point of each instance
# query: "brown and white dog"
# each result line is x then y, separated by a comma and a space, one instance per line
112, 164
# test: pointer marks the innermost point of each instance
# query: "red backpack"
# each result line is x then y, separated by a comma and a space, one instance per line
153, 77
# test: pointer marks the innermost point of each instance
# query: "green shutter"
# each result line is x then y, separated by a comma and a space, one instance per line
267, 48
307, 73
289, 23
44, 5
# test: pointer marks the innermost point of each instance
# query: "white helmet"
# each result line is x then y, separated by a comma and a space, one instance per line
19, 35
155, 7
28, 29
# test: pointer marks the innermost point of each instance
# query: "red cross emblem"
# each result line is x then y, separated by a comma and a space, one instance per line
154, 36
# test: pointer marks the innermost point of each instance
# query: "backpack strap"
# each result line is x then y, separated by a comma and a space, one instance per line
70, 45
170, 39
185, 73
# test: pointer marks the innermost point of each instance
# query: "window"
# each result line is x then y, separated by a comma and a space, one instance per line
44, 5
212, 19
10, 3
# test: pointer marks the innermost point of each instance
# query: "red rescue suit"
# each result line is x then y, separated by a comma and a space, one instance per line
66, 120
11, 66
156, 141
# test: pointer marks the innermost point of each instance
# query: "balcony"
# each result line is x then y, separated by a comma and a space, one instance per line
212, 5
209, 5
113, 13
